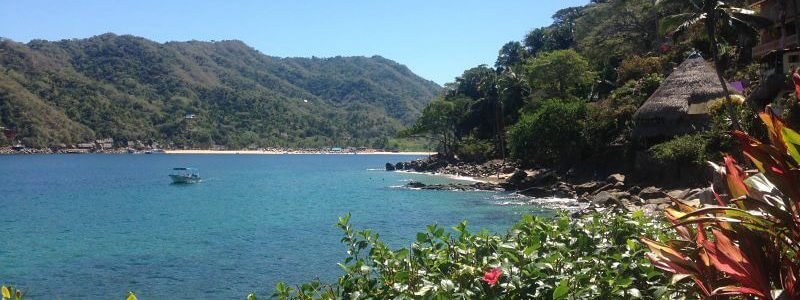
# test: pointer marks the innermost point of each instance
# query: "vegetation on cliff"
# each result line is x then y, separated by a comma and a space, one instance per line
566, 94
201, 94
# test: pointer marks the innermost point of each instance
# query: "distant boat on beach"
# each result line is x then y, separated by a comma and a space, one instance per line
185, 175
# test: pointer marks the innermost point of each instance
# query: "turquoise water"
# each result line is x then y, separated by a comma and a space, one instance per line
97, 226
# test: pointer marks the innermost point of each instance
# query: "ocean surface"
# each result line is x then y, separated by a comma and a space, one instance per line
98, 226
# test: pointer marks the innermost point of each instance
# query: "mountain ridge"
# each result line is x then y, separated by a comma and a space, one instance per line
131, 88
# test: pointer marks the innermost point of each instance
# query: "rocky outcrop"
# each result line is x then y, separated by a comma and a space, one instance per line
602, 194
477, 186
437, 164
390, 167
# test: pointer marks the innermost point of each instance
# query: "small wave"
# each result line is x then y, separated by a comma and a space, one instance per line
376, 169
451, 176
549, 202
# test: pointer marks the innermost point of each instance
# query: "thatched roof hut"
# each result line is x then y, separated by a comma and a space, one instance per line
680, 104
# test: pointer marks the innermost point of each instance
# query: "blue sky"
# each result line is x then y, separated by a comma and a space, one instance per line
436, 39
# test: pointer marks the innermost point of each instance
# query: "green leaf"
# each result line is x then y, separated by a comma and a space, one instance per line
560, 292
402, 253
131, 296
422, 237
792, 140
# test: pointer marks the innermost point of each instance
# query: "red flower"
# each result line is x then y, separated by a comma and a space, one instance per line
492, 276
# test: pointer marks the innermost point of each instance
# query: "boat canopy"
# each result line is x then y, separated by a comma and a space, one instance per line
185, 169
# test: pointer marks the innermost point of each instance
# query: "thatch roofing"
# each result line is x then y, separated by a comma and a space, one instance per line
679, 105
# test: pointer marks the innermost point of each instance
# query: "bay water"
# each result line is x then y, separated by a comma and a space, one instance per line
98, 226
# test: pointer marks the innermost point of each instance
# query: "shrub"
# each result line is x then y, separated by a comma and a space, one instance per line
636, 67
538, 258
472, 149
552, 133
748, 244
635, 92
687, 150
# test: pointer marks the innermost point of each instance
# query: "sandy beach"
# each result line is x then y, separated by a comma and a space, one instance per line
274, 152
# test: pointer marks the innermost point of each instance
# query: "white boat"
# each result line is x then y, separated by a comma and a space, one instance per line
185, 175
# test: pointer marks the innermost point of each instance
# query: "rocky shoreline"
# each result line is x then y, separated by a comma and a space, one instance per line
593, 195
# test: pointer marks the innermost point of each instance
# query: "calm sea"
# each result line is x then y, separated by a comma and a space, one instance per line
97, 226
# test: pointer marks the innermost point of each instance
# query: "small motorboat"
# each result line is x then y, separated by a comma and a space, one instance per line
185, 175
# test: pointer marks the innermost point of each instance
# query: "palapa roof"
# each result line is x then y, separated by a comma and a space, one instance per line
679, 105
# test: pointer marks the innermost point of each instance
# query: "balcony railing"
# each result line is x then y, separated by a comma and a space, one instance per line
764, 48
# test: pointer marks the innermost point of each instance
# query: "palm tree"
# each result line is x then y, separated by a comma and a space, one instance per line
713, 14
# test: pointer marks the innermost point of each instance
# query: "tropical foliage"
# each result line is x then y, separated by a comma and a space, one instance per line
748, 243
717, 16
550, 133
602, 61
595, 257
10, 293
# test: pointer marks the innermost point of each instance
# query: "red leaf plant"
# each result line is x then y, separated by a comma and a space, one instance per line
748, 244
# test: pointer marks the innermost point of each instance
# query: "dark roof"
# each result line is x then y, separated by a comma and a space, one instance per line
682, 96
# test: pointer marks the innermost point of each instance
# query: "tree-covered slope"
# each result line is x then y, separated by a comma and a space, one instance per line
131, 88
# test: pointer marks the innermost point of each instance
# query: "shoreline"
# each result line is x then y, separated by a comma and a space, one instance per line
491, 179
274, 152
595, 194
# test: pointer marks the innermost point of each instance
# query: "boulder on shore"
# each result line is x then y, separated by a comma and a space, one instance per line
587, 187
651, 193
615, 178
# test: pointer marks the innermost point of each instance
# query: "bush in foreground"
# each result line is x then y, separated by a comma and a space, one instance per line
748, 244
597, 256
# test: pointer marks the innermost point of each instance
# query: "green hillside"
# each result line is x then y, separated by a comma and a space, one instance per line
131, 88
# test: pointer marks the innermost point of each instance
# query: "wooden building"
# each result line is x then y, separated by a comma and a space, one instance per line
779, 42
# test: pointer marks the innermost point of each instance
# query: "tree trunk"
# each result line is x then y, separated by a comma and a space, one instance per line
710, 24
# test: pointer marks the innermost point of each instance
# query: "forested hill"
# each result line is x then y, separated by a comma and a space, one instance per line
201, 94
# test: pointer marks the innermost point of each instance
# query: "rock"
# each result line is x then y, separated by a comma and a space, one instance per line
542, 177
678, 194
650, 210
634, 190
415, 184
691, 202
518, 176
603, 199
537, 192
563, 190
603, 188
658, 201
651, 193
587, 187
614, 178
705, 196
621, 195
619, 185
389, 167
